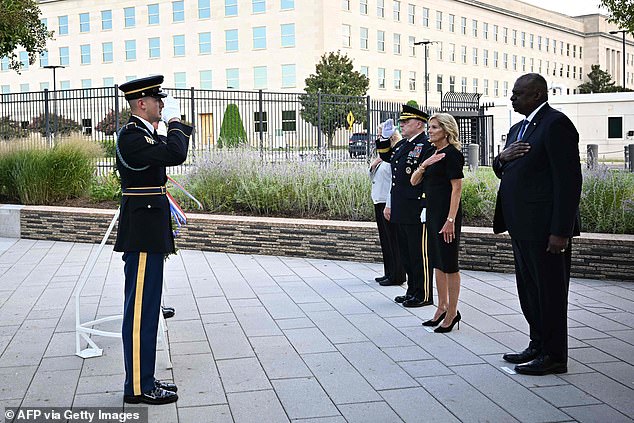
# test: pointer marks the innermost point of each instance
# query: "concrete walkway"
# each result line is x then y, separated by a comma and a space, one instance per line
277, 339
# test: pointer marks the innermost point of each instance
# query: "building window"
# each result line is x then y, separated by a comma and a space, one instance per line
260, 77
288, 35
439, 83
204, 10
85, 54
63, 56
64, 85
179, 45
495, 32
475, 85
106, 52
108, 81
258, 6
153, 14
547, 44
463, 26
397, 43
106, 20
380, 40
496, 90
205, 79
412, 81
475, 56
485, 57
464, 54
615, 127
24, 59
178, 11
523, 64
439, 50
130, 50
381, 78
505, 59
452, 83
4, 64
288, 76
505, 35
287, 4
397, 10
463, 84
411, 14
452, 23
486, 87
452, 52
204, 43
84, 22
397, 79
495, 59
233, 78
231, 7
363, 7
438, 20
523, 39
506, 88
411, 46
180, 80
345, 5
531, 40
231, 40
474, 28
363, 38
86, 83
289, 120
259, 37
346, 33
380, 8
154, 46
24, 88
6, 89
129, 16
515, 37
485, 30
44, 58
364, 70
62, 24
426, 17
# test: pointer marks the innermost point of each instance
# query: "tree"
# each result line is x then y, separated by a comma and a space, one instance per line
232, 131
621, 13
600, 82
340, 87
108, 124
20, 25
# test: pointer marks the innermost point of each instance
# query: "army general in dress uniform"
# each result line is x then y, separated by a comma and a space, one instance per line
406, 203
144, 233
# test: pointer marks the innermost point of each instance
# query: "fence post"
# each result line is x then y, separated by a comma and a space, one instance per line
630, 149
261, 119
193, 117
47, 118
116, 109
368, 125
592, 156
319, 120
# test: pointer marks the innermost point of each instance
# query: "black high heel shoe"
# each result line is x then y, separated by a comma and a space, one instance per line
435, 322
455, 321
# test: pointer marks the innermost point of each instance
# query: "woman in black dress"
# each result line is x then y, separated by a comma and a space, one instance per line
441, 175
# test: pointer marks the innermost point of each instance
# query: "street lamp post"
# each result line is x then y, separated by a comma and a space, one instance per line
54, 67
425, 81
622, 31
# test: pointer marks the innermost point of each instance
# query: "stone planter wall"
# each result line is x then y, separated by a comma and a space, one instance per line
597, 256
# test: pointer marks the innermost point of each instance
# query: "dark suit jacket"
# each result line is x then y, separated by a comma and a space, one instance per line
539, 192
145, 221
404, 158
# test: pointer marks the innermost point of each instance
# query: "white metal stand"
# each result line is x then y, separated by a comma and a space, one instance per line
84, 330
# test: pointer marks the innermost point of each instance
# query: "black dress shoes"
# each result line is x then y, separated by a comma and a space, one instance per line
168, 312
381, 278
542, 365
415, 302
525, 356
402, 298
388, 282
168, 386
156, 396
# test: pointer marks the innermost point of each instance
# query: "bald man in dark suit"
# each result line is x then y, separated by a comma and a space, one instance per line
538, 203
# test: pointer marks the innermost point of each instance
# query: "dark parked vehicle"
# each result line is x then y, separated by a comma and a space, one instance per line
357, 145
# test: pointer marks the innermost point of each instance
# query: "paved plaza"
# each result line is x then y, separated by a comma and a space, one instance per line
278, 339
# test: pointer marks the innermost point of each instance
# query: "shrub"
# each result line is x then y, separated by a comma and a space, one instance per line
108, 124
479, 190
232, 132
607, 201
45, 176
65, 126
106, 187
11, 129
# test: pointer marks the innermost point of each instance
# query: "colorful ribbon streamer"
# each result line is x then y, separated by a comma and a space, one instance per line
177, 213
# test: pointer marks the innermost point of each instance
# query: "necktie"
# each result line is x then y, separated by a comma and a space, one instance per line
520, 134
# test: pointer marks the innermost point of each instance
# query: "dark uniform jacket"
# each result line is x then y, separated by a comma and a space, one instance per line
145, 221
404, 158
539, 192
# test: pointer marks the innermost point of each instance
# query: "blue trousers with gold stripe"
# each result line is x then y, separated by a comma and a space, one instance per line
143, 286
412, 239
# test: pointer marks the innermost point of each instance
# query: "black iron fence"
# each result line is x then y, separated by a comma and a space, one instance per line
280, 126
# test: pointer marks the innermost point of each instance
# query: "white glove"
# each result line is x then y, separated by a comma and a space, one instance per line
171, 109
387, 129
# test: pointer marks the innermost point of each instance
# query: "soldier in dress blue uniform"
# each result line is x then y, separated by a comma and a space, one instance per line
405, 205
144, 233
